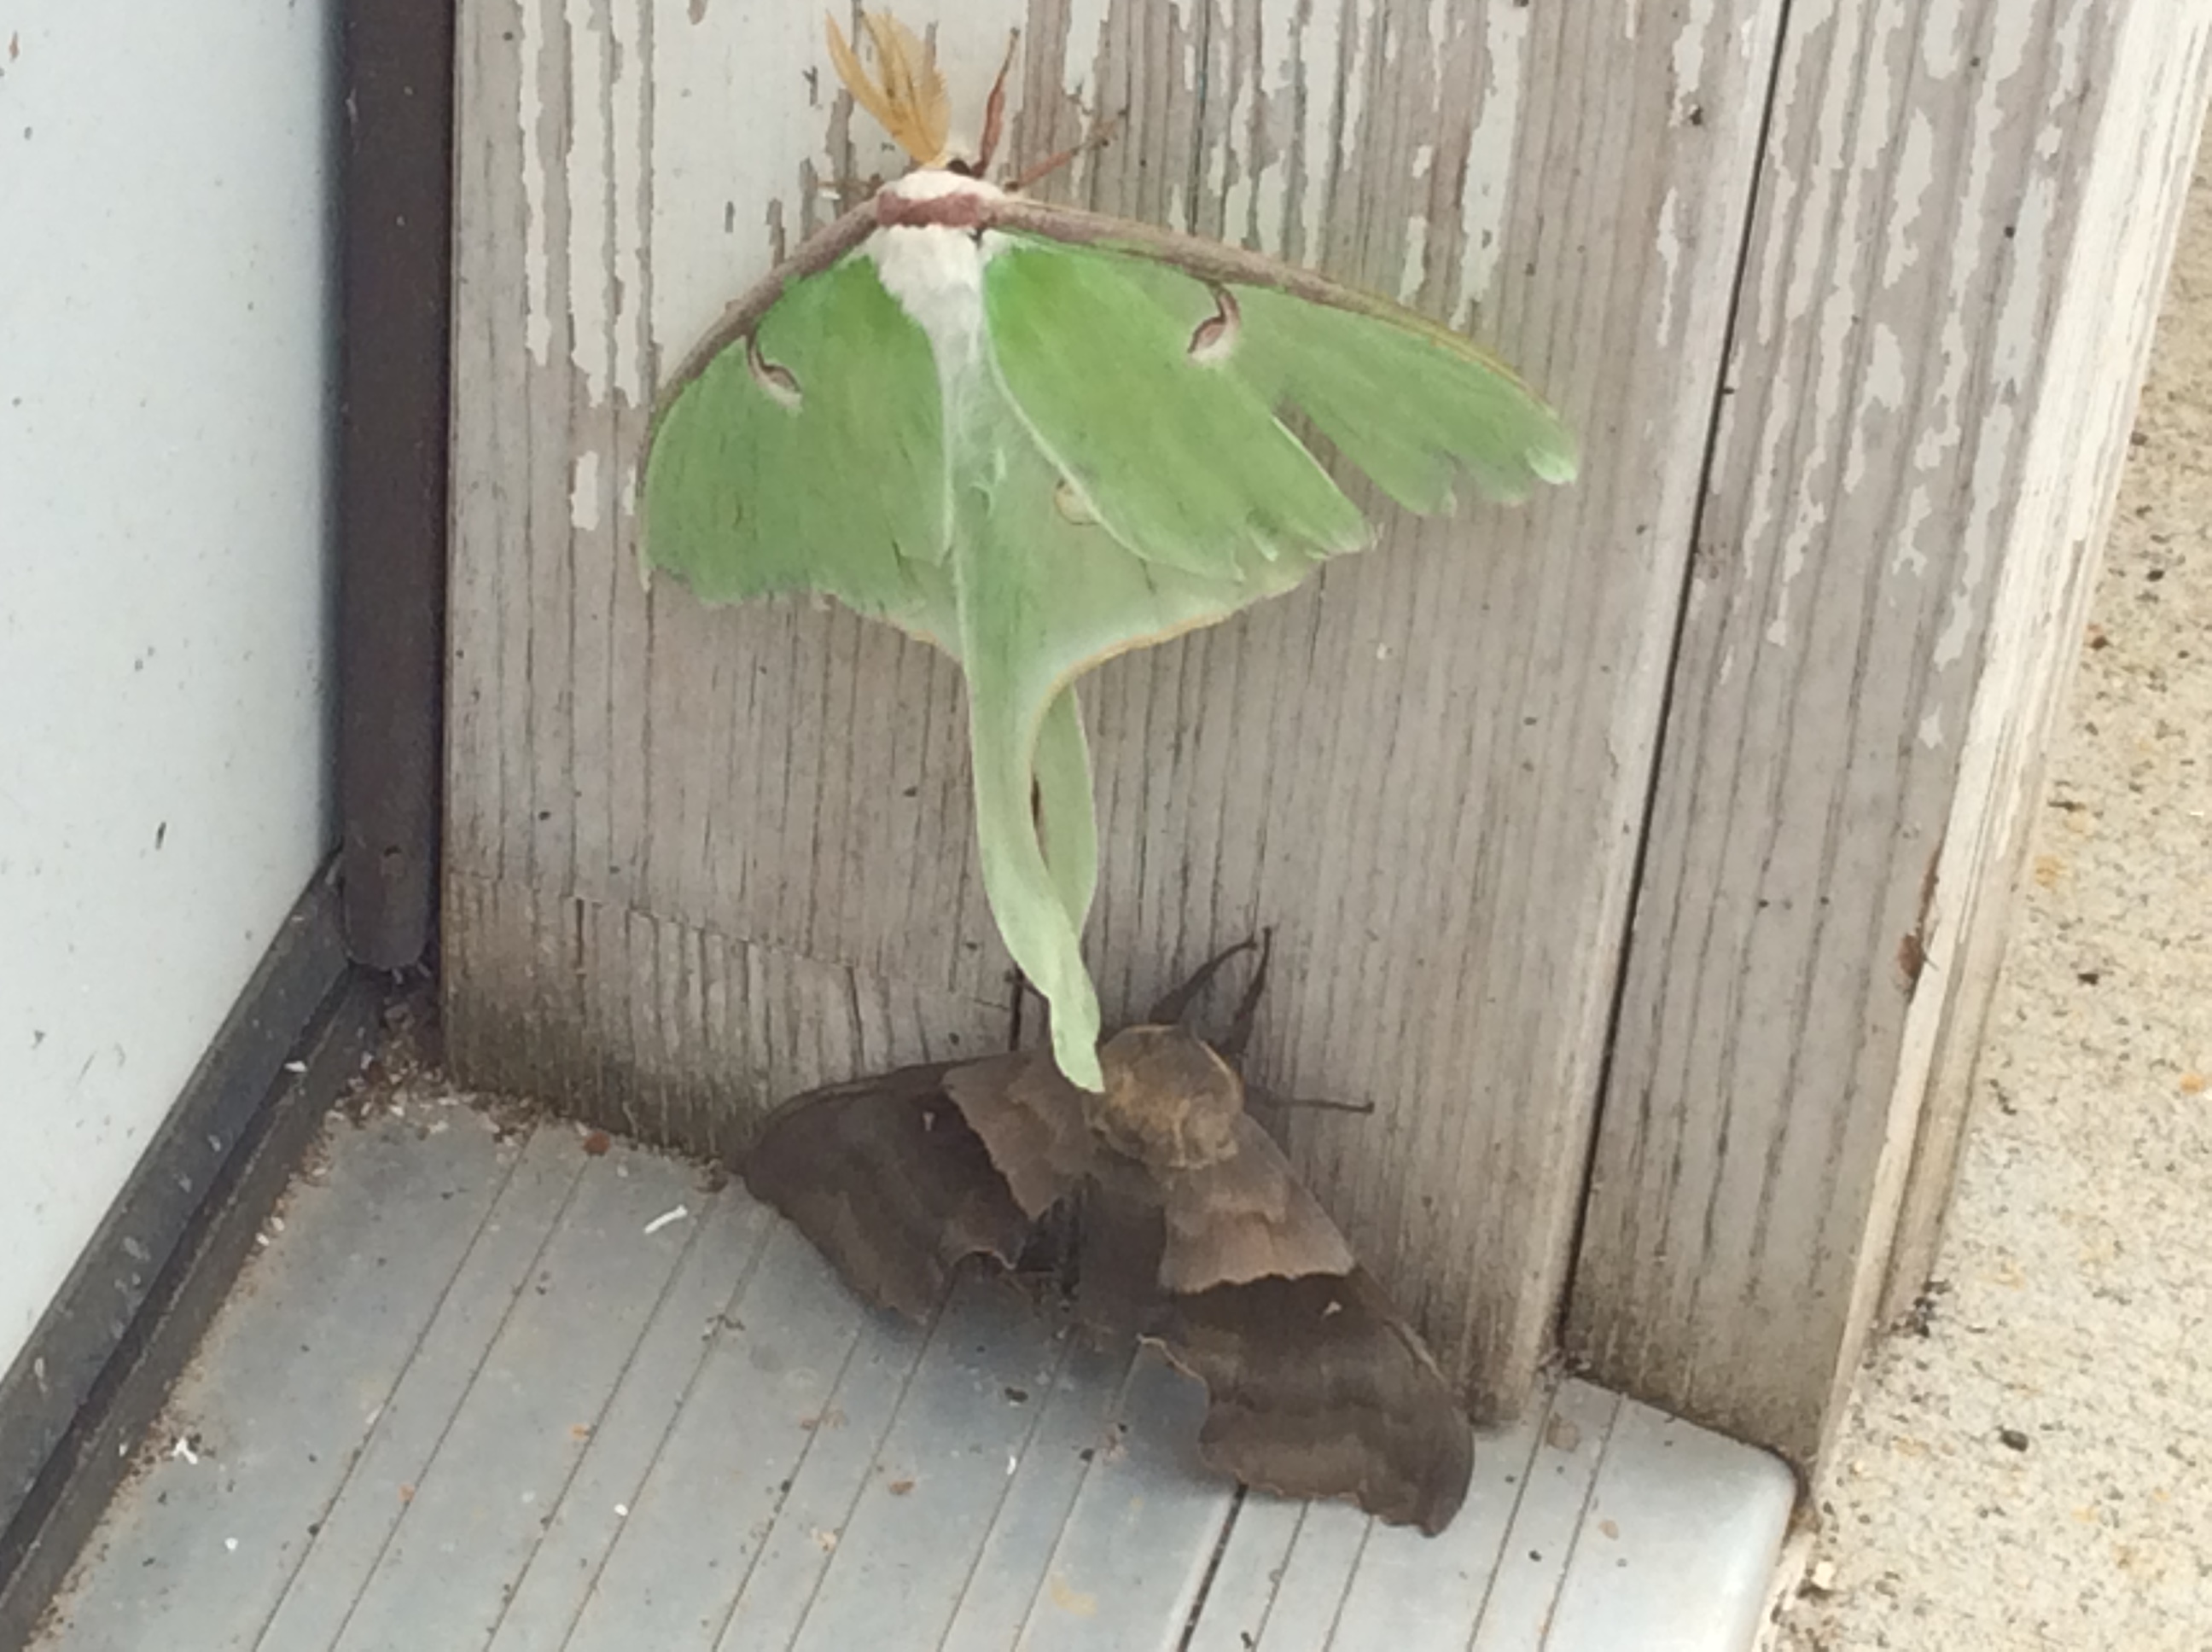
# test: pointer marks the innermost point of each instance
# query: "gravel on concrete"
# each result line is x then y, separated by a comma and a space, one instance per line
2035, 1470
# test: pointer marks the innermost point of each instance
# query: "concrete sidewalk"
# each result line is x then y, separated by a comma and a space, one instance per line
2036, 1471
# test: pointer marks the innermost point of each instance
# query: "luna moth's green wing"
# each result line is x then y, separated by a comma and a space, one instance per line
808, 452
810, 458
1186, 465
1143, 420
1409, 402
1112, 471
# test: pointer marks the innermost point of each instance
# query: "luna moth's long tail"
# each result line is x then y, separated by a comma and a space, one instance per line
1032, 772
1039, 907
1066, 819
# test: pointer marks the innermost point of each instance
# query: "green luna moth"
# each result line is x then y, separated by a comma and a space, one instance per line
1037, 437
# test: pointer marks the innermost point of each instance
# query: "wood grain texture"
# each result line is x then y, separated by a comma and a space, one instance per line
1961, 232
2136, 197
1427, 771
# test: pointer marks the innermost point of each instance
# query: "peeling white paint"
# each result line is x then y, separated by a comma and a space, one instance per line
1942, 37
1882, 390
631, 333
1491, 154
1930, 733
1915, 173
590, 306
1216, 156
584, 491
1852, 152
2013, 336
1357, 15
1313, 50
1990, 452
1908, 558
1782, 189
1271, 183
1417, 252
536, 239
1685, 62
1086, 36
1759, 513
1669, 247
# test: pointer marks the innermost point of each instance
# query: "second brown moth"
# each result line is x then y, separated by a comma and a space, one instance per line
1185, 1226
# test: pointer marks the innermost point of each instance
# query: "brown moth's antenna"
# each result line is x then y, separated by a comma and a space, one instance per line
1099, 138
1176, 1005
1230, 1046
994, 111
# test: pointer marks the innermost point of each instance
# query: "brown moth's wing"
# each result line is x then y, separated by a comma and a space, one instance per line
886, 1179
1119, 1233
1243, 1217
1318, 1389
1030, 1118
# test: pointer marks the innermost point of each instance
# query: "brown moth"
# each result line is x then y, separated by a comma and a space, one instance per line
1190, 1230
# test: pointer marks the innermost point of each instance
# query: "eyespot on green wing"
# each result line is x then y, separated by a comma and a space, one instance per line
1408, 402
1186, 466
809, 457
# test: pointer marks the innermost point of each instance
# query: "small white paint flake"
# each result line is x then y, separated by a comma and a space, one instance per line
1013, 1463
1670, 249
182, 1450
295, 1066
1416, 261
622, 1511
537, 240
584, 492
1491, 154
667, 1217
231, 1543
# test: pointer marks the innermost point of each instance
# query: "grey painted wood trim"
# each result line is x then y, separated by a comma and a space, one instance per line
1961, 240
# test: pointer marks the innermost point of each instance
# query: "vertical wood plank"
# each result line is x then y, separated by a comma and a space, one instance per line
1426, 771
2138, 196
1962, 229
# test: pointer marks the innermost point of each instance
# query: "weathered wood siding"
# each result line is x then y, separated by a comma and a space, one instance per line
1964, 219
697, 860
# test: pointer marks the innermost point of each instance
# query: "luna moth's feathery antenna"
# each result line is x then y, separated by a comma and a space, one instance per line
906, 96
